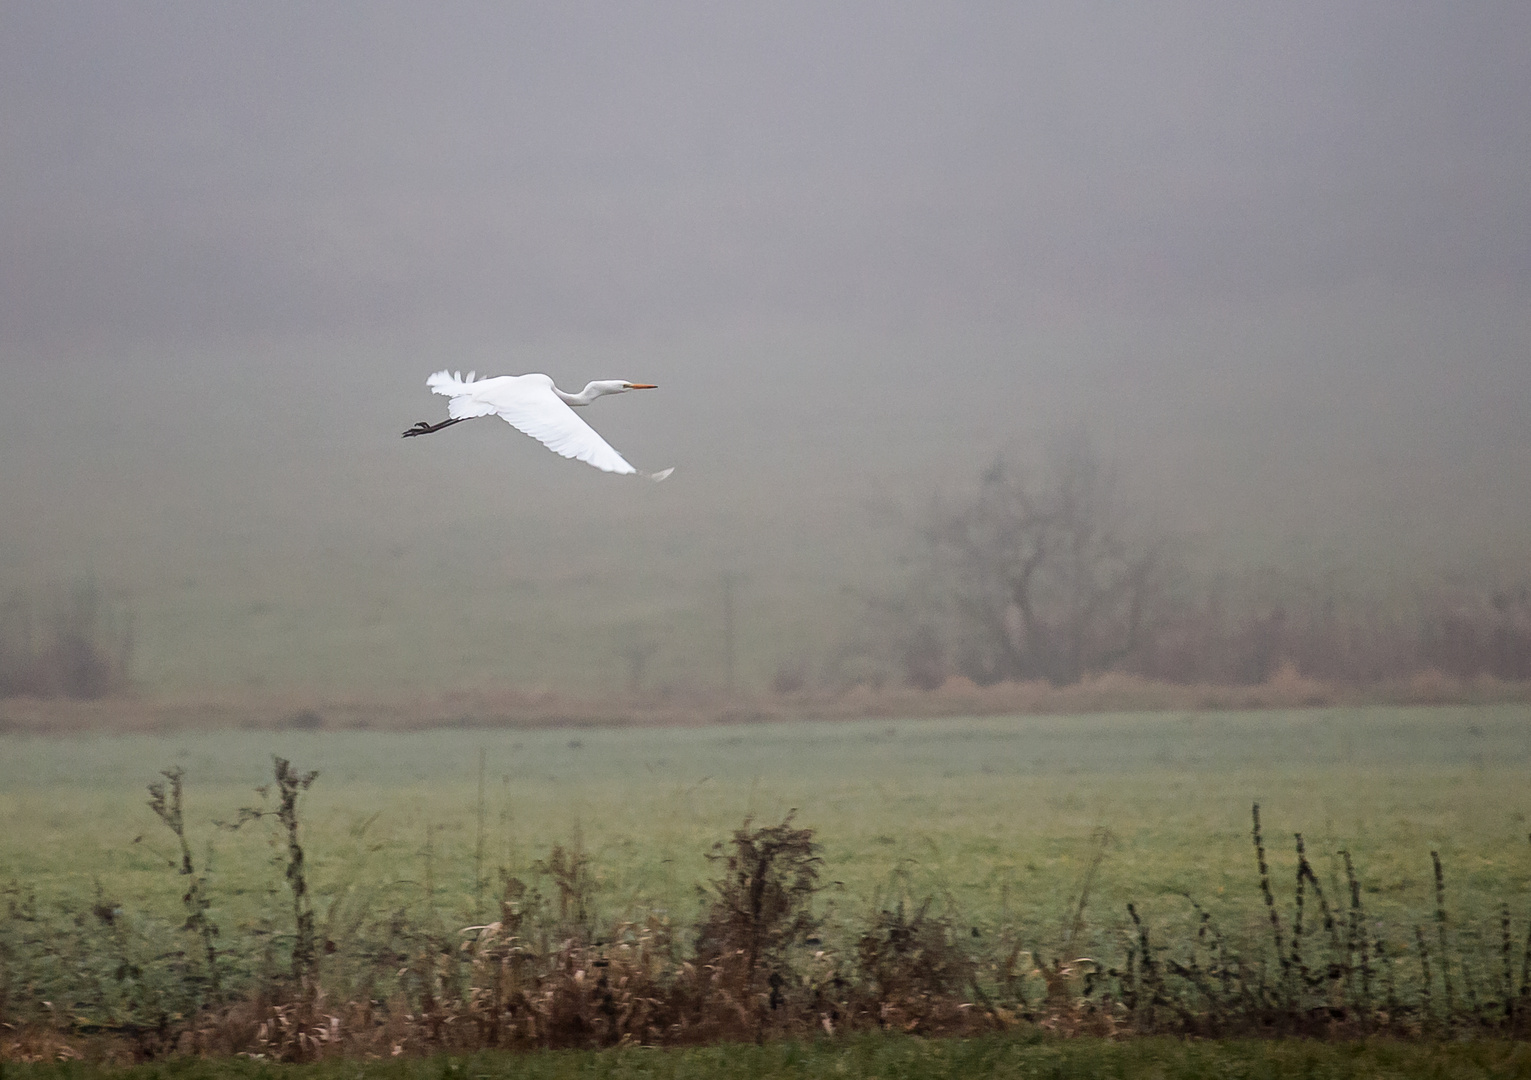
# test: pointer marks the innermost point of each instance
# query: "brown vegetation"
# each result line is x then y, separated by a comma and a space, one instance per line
751, 968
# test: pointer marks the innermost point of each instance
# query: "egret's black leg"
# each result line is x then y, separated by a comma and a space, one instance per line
422, 428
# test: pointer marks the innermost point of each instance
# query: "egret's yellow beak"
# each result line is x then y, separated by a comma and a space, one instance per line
641, 386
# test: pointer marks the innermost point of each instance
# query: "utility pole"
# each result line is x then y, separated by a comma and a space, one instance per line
729, 580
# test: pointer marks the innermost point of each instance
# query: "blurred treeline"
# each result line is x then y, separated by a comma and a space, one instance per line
1048, 574
1057, 574
74, 643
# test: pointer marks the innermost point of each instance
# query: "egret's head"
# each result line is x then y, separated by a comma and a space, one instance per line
614, 386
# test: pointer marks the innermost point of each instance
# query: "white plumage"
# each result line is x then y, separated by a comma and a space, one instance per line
533, 405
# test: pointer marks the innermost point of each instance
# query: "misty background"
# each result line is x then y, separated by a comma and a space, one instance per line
1275, 260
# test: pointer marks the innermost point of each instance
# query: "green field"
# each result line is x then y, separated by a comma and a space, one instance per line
995, 819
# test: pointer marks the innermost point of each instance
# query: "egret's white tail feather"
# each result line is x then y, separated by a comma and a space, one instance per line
466, 394
449, 384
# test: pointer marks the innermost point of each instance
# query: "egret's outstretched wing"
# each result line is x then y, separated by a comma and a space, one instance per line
529, 404
539, 413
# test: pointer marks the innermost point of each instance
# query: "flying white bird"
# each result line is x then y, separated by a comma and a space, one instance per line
532, 404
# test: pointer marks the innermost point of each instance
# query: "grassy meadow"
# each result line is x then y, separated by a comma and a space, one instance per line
997, 820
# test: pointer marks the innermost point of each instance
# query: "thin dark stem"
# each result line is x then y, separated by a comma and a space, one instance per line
478, 847
304, 955
1507, 951
1387, 977
1270, 900
1425, 1011
168, 805
1440, 925
1298, 963
1356, 938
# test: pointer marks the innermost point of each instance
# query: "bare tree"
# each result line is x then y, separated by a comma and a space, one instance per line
1050, 579
1053, 574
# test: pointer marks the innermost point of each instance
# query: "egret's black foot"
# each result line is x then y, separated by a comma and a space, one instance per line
422, 428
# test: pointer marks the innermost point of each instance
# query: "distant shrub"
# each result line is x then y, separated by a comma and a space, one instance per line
76, 646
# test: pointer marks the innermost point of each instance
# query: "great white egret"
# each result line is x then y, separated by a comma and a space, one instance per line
532, 404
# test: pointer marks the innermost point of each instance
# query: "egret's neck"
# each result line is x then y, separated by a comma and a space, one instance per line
588, 394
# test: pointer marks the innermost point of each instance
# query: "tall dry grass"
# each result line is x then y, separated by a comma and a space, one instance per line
375, 980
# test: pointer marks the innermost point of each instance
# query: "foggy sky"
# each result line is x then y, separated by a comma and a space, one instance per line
1275, 257
215, 170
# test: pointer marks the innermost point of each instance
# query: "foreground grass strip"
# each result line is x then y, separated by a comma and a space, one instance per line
885, 1058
